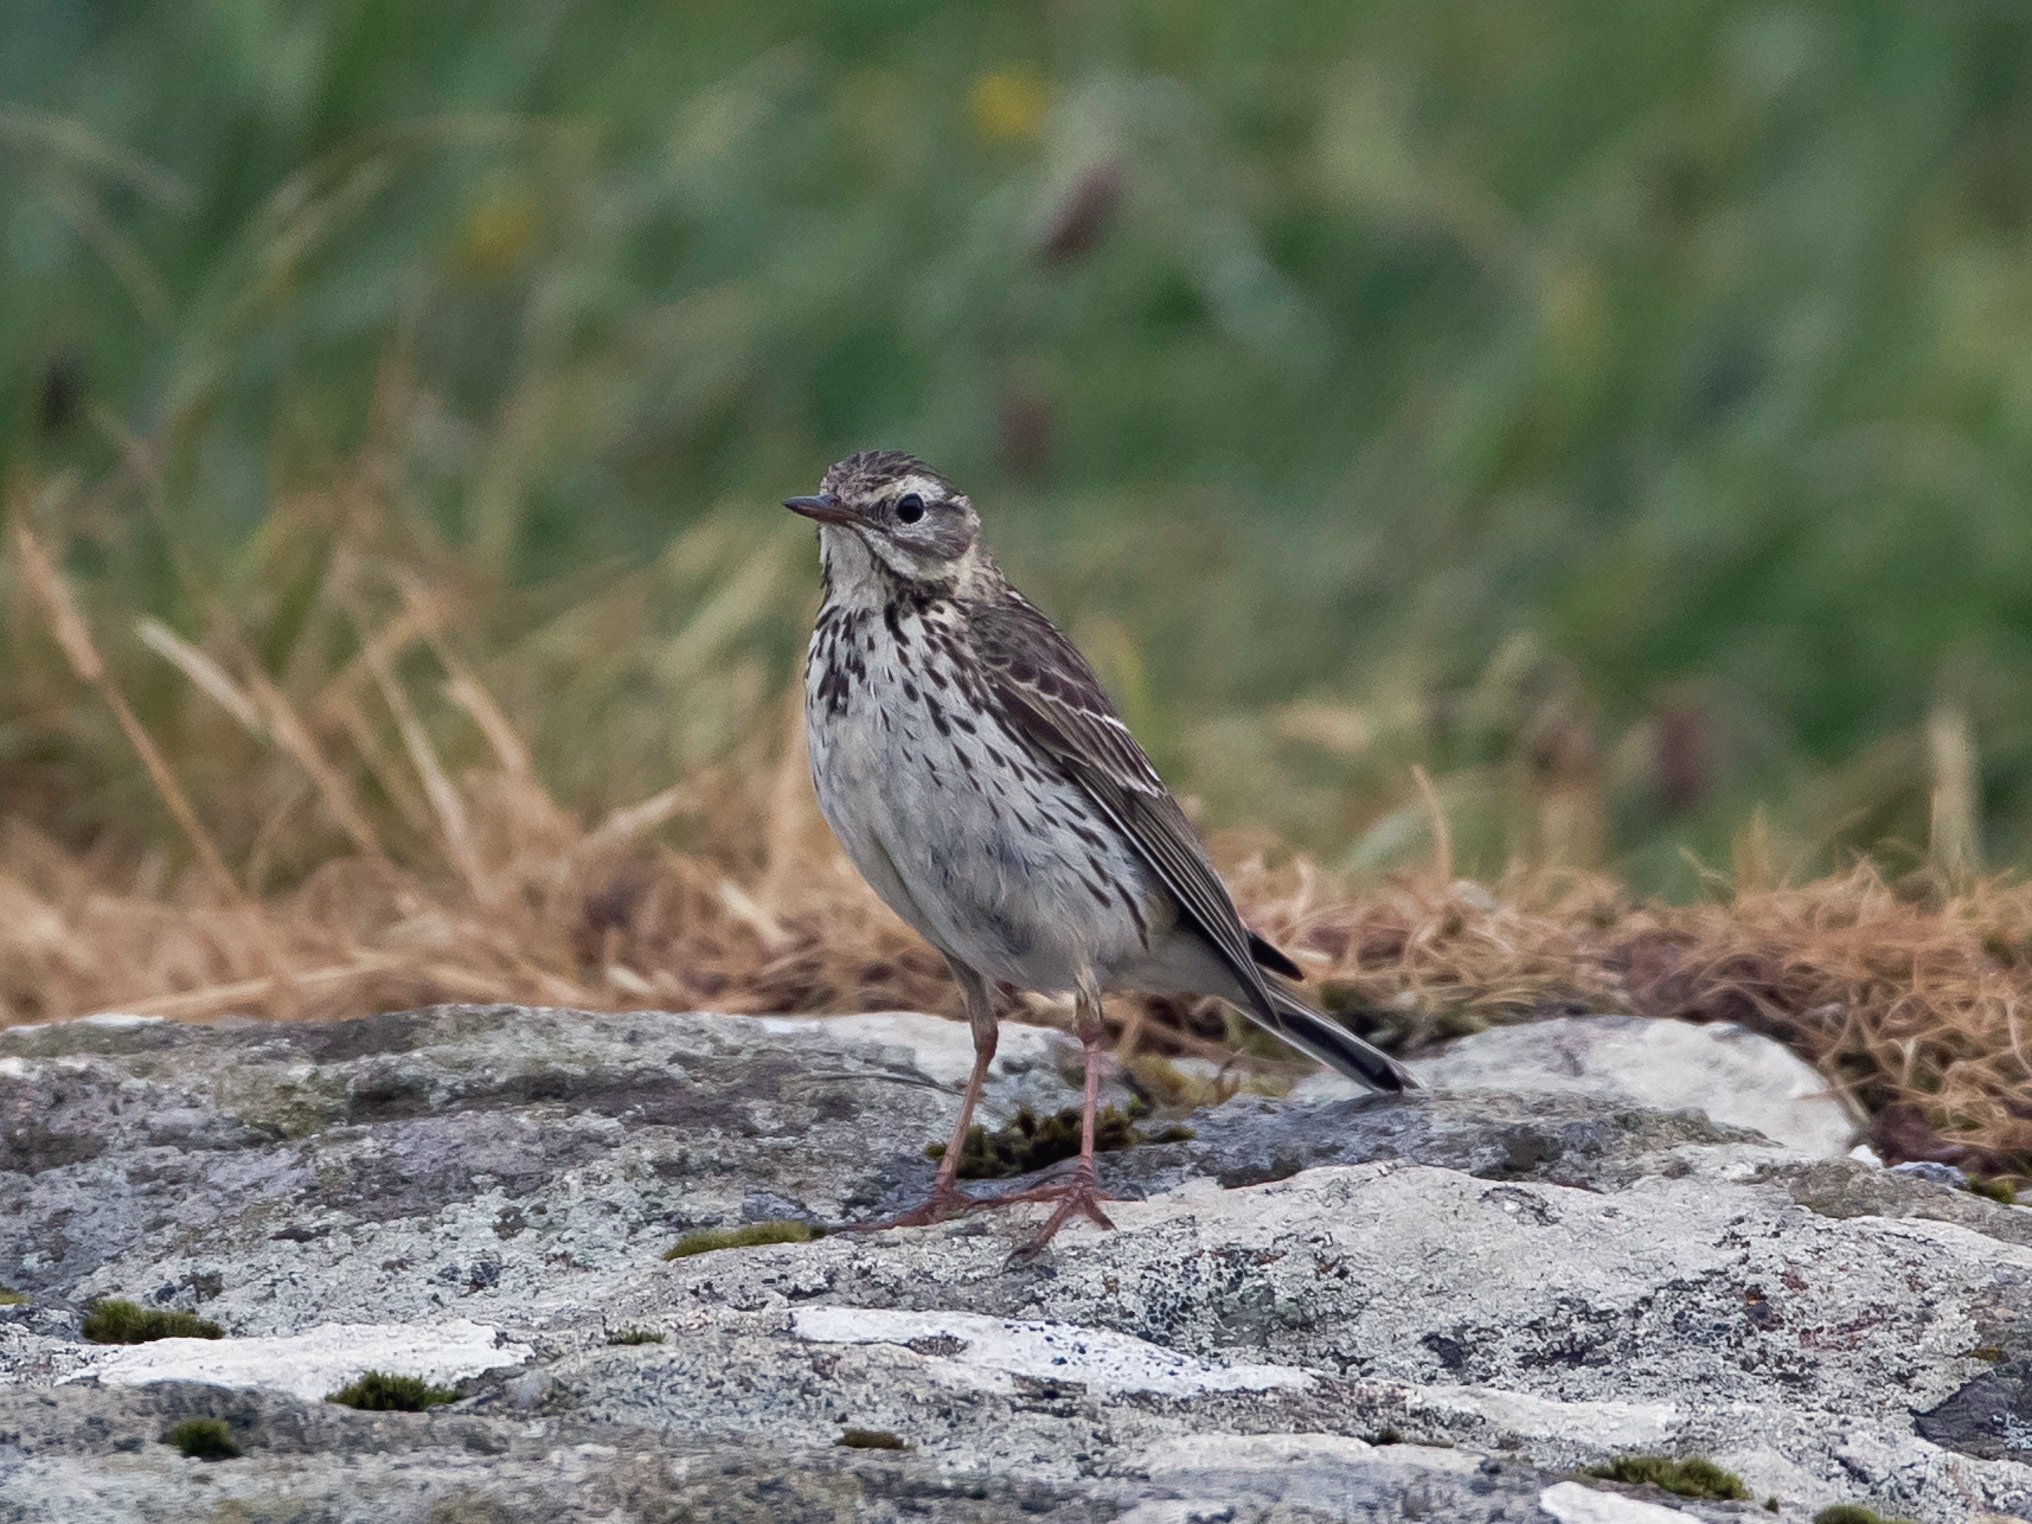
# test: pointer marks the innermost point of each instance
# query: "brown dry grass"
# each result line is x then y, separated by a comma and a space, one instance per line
430, 881
1912, 1000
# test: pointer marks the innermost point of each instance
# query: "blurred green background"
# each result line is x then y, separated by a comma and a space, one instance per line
1622, 412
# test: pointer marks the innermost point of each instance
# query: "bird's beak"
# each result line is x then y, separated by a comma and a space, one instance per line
827, 510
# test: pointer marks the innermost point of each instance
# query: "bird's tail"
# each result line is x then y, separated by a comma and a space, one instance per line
1328, 1041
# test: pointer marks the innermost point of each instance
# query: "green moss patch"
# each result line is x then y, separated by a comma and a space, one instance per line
1996, 1190
379, 1392
709, 1240
205, 1439
118, 1322
1695, 1478
636, 1336
11, 1298
870, 1439
1168, 1085
1028, 1142
1854, 1513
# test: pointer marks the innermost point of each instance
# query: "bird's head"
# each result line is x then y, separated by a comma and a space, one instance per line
903, 513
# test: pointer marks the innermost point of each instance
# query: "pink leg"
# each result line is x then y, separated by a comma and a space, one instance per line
1078, 1193
947, 1199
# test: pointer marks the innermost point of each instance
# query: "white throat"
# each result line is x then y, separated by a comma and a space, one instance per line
853, 563
852, 576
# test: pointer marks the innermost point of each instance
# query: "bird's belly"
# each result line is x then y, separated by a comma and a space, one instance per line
988, 854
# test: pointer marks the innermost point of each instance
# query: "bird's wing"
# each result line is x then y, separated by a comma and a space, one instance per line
1045, 686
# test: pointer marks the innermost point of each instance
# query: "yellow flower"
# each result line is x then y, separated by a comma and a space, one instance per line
1008, 106
1574, 308
498, 229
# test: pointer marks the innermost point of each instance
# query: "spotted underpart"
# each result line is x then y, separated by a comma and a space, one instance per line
978, 844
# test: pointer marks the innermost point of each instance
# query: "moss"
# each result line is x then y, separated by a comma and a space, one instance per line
636, 1336
870, 1439
118, 1322
707, 1240
1028, 1142
1168, 1085
379, 1392
206, 1439
1854, 1513
287, 1108
1386, 1437
11, 1298
1696, 1478
1990, 1352
1995, 1190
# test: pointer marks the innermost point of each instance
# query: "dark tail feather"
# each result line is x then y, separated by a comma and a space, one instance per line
1331, 1043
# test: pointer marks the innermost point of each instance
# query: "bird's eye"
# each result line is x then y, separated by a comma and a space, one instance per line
910, 508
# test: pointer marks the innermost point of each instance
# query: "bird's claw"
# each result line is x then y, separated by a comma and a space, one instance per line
946, 1201
1077, 1195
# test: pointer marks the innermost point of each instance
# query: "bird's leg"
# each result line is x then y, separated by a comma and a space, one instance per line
945, 1190
947, 1199
1079, 1192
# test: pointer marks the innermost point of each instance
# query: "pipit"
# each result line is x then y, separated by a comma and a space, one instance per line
966, 758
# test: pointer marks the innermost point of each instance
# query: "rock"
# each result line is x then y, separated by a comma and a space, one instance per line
1436, 1306
310, 1364
1571, 1503
1737, 1077
1844, 1188
1939, 1174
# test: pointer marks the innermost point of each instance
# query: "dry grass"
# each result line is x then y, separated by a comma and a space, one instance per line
336, 861
1911, 999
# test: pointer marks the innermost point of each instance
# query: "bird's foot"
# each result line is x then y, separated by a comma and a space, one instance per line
1077, 1194
946, 1200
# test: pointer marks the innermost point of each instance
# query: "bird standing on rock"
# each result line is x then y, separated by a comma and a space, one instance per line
967, 760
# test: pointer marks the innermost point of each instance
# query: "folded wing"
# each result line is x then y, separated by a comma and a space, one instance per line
1045, 686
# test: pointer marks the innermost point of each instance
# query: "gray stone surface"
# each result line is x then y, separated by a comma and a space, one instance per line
1738, 1077
1504, 1287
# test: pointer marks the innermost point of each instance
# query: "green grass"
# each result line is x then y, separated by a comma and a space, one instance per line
1996, 1190
1619, 415
1855, 1513
121, 1322
636, 1336
206, 1439
712, 1240
871, 1439
379, 1392
1695, 1478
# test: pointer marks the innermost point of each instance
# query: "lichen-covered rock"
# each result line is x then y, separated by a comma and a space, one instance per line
1739, 1078
1433, 1306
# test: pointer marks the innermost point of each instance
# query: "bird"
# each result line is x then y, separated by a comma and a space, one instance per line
975, 773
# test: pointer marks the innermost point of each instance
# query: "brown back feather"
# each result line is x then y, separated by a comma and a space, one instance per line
1048, 691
